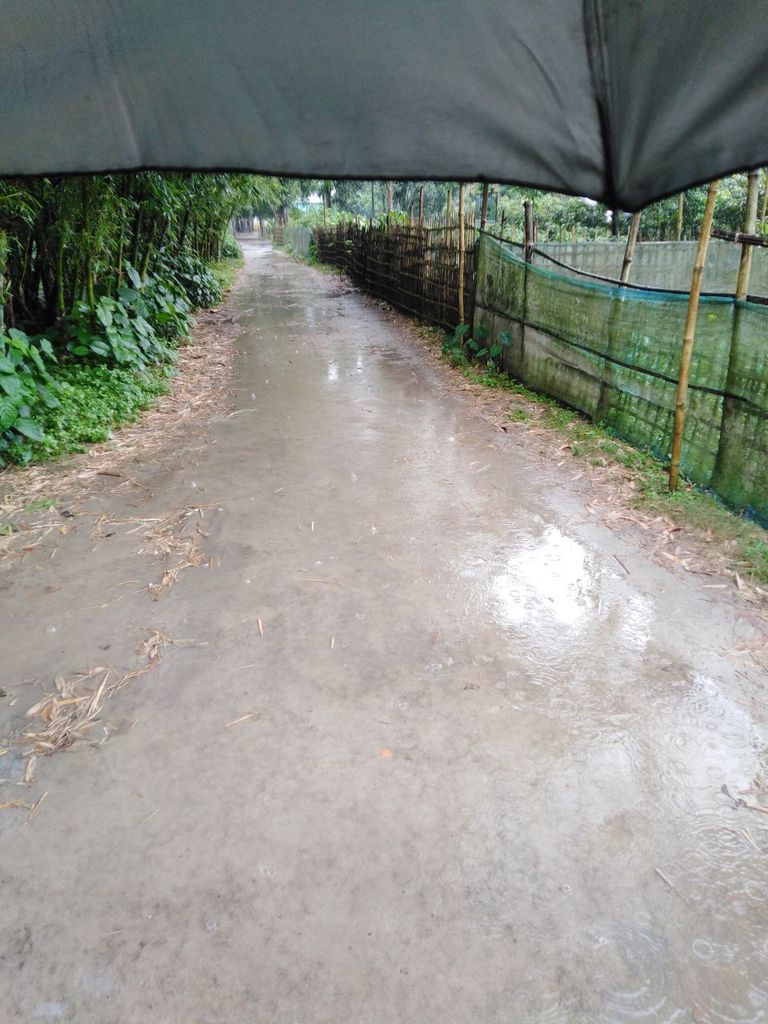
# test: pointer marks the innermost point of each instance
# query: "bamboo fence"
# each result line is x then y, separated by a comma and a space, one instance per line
414, 268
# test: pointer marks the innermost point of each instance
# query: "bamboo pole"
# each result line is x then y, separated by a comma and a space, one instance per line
3, 265
613, 326
421, 207
688, 336
484, 209
528, 207
89, 290
750, 224
61, 308
679, 217
462, 186
629, 252
764, 207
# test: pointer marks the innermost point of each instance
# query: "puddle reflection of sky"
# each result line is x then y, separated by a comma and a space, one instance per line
553, 579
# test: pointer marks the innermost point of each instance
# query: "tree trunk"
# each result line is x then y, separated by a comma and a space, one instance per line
61, 307
120, 253
748, 228
144, 270
88, 263
137, 235
484, 208
629, 252
183, 230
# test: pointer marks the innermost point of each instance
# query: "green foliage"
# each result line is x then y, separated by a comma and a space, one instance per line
395, 217
48, 408
265, 197
192, 274
98, 278
67, 240
462, 350
314, 218
230, 249
136, 329
519, 415
27, 392
93, 400
558, 217
453, 346
659, 220
161, 302
112, 335
226, 271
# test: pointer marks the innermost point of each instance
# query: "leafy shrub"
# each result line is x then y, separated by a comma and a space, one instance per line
200, 285
27, 392
162, 302
113, 360
231, 249
393, 217
461, 350
113, 355
138, 328
111, 334
453, 346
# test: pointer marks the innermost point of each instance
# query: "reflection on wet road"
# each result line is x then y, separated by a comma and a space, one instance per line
485, 783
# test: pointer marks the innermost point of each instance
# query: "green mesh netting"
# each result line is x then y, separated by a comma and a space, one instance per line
613, 353
741, 471
661, 264
297, 239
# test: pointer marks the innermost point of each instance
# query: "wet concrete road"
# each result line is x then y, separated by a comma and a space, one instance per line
482, 780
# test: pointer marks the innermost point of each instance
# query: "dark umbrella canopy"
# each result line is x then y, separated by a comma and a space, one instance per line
620, 100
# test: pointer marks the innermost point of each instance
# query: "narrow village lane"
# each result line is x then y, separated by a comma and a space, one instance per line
423, 751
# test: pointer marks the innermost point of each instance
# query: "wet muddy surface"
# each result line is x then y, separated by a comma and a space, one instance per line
436, 748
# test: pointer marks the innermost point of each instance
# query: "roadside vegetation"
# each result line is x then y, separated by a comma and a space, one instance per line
99, 278
315, 202
555, 218
744, 543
